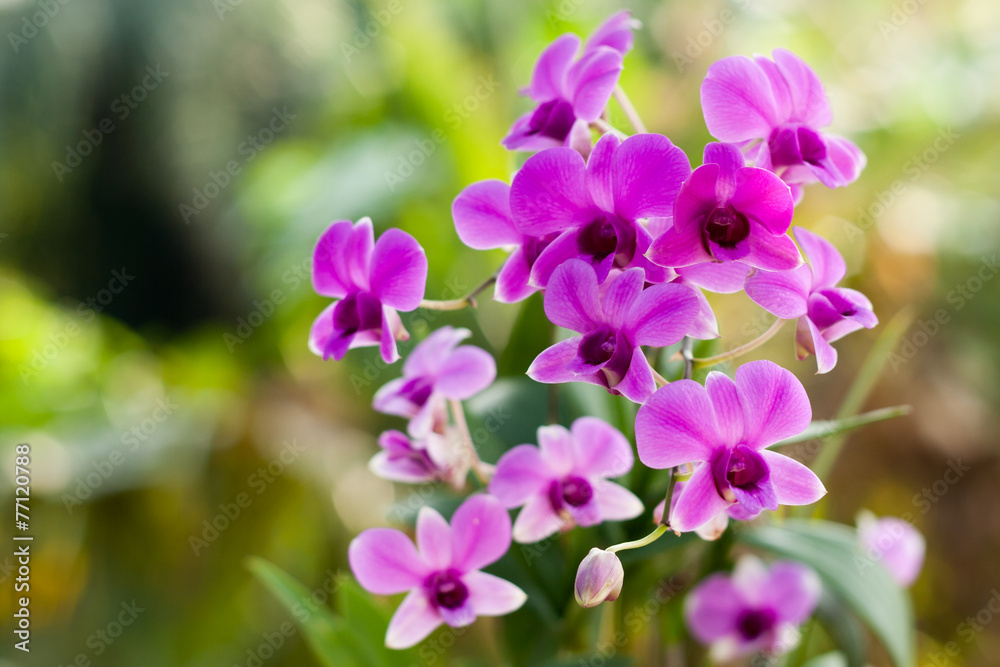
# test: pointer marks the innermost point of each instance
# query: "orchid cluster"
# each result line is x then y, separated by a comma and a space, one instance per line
624, 240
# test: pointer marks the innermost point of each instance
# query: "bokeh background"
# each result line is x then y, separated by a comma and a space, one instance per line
165, 167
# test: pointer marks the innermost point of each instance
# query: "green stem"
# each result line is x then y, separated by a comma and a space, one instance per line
626, 104
742, 349
458, 304
635, 544
605, 127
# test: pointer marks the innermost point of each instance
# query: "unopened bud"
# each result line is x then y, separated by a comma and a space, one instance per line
599, 578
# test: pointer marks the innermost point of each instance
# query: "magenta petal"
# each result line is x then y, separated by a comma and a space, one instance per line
677, 249
571, 299
775, 405
413, 621
591, 81
794, 484
793, 589
513, 280
769, 251
846, 157
615, 502
392, 330
828, 267
810, 341
558, 451
620, 295
427, 357
648, 173
711, 609
536, 521
460, 616
615, 32
322, 329
492, 596
434, 538
699, 502
480, 533
521, 474
726, 403
550, 194
764, 198
551, 366
662, 314
385, 562
398, 270
676, 425
548, 81
638, 384
705, 326
599, 172
737, 101
600, 448
482, 216
563, 248
807, 98
781, 293
331, 275
466, 372
720, 277
697, 198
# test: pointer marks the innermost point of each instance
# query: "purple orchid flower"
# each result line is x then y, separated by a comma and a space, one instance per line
894, 543
571, 95
435, 458
825, 312
436, 371
614, 324
372, 281
594, 208
563, 482
728, 425
442, 574
783, 104
757, 609
728, 212
709, 532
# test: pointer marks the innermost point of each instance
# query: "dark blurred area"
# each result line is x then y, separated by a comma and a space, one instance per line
165, 168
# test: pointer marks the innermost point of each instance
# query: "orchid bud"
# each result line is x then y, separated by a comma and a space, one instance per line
895, 543
599, 578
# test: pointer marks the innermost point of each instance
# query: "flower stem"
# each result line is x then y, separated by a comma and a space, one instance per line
458, 304
741, 350
635, 544
482, 471
686, 346
605, 127
659, 379
665, 519
626, 104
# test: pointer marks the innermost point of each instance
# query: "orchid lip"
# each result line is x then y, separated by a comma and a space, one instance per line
573, 491
726, 227
755, 622
553, 119
447, 589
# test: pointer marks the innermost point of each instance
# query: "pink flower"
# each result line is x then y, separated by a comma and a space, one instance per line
436, 371
894, 543
563, 482
755, 609
435, 458
826, 312
572, 94
727, 427
371, 282
615, 321
782, 103
442, 574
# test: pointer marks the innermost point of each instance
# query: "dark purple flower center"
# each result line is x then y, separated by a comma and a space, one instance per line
746, 468
418, 390
357, 312
553, 119
447, 589
726, 227
533, 247
752, 623
742, 476
598, 238
598, 346
572, 491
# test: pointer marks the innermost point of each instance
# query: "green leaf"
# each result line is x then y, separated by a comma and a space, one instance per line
831, 659
825, 428
370, 621
844, 629
329, 636
866, 588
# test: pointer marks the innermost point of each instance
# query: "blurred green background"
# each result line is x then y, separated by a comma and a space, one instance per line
166, 166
